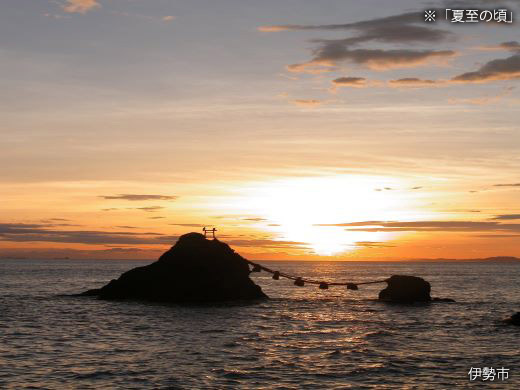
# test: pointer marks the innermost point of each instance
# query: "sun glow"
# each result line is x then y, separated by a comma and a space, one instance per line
295, 208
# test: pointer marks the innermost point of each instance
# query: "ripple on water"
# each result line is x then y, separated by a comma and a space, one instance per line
295, 342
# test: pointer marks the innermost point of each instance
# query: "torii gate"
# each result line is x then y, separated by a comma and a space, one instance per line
206, 231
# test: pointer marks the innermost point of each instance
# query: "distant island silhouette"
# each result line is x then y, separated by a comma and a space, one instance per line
496, 259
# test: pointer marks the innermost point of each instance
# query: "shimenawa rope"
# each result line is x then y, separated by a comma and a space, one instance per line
300, 281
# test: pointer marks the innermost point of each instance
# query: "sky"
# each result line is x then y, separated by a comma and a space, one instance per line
299, 129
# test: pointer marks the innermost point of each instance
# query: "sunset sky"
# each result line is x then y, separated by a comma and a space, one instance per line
300, 129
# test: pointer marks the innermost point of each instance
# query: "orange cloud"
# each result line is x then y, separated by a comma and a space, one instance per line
495, 70
406, 27
168, 18
376, 59
412, 82
480, 101
307, 102
138, 197
393, 59
313, 67
512, 46
429, 226
356, 82
80, 6
273, 28
402, 28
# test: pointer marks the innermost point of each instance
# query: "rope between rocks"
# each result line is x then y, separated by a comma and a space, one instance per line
258, 267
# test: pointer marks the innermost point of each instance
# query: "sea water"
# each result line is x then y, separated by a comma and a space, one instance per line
302, 338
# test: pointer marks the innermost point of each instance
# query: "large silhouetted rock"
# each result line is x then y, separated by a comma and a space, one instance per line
406, 289
193, 270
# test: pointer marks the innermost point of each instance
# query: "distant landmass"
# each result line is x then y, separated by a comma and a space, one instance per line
494, 259
502, 259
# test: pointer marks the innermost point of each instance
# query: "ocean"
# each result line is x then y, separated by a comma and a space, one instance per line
302, 338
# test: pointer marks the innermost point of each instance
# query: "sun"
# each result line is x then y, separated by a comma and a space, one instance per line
296, 207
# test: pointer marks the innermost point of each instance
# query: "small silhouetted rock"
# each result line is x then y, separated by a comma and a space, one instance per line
406, 289
195, 269
514, 320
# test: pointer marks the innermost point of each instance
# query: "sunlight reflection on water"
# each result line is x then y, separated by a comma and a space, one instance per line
301, 338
